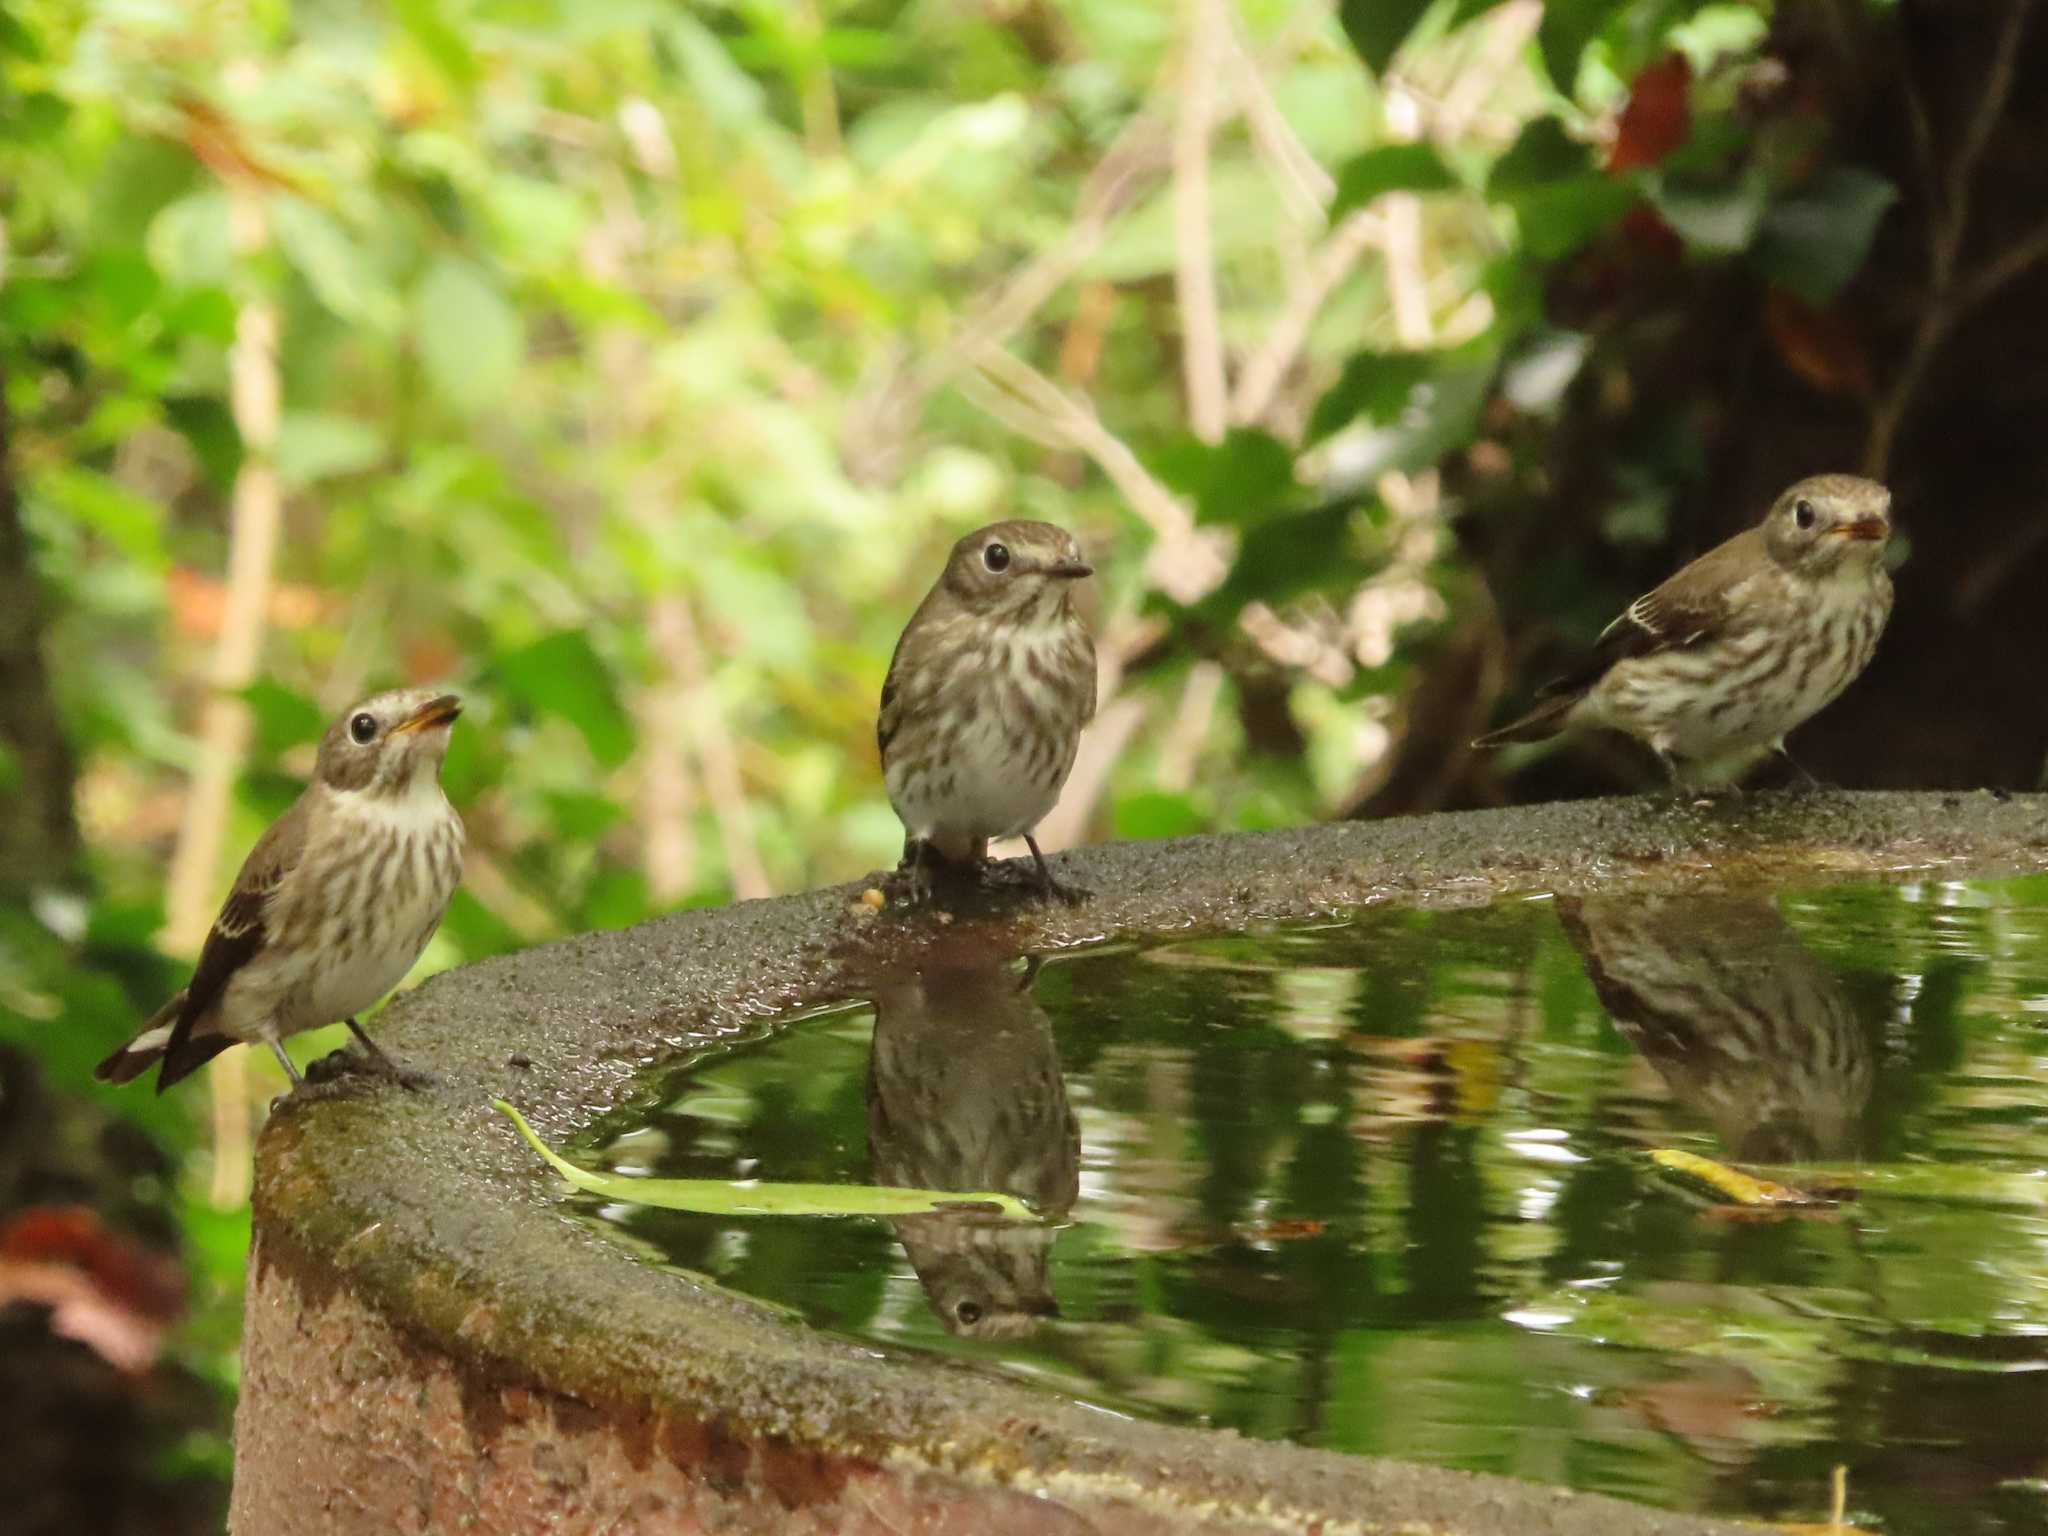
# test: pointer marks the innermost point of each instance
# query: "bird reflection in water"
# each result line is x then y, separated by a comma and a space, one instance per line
964, 1092
1741, 1021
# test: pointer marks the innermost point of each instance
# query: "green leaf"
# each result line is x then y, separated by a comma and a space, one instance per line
1541, 154
440, 41
1241, 480
128, 522
1374, 385
470, 338
1286, 556
1390, 168
1556, 220
335, 267
1717, 219
1155, 813
1566, 28
1378, 28
561, 675
208, 427
720, 1197
284, 717
313, 445
1440, 415
1816, 240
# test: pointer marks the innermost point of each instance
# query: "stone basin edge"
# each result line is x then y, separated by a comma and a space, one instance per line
409, 1242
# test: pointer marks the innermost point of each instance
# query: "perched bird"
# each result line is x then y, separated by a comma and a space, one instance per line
986, 696
965, 1092
1754, 638
1735, 1014
334, 903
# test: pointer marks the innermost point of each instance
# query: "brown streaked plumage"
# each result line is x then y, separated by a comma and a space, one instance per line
1737, 1016
964, 1092
334, 903
986, 696
1712, 669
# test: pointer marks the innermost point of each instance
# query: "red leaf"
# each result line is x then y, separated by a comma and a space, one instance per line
73, 1236
1818, 345
1657, 119
1644, 228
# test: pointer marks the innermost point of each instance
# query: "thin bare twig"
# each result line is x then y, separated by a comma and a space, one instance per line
1303, 183
1259, 380
1948, 222
2013, 262
255, 512
1194, 252
1190, 728
718, 761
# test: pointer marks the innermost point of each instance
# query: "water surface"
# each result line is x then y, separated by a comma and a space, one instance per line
1385, 1188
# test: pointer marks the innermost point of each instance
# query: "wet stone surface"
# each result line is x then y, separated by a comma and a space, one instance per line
419, 1228
1384, 1187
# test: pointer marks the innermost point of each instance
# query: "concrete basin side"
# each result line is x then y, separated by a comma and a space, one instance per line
433, 1344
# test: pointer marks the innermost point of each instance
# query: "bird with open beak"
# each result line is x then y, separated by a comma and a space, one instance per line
334, 903
987, 692
1714, 668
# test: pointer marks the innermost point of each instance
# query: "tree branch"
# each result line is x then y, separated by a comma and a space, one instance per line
1194, 254
256, 510
1948, 222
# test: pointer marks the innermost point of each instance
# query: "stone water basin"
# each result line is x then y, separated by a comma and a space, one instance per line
1346, 1131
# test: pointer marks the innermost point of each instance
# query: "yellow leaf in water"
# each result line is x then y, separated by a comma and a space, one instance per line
1734, 1186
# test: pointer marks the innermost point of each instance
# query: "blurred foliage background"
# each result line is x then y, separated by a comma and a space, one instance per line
631, 367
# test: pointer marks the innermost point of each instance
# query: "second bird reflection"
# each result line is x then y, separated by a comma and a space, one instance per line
1738, 1017
964, 1092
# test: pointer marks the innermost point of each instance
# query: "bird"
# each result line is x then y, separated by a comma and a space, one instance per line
333, 904
1737, 1016
1712, 669
987, 692
964, 1092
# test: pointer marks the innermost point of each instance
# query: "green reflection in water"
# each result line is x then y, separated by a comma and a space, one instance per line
1383, 1188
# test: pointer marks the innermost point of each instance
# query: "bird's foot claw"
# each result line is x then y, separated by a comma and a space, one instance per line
1069, 895
339, 1065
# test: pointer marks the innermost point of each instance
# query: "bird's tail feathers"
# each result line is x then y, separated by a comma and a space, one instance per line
135, 1058
1545, 720
153, 1045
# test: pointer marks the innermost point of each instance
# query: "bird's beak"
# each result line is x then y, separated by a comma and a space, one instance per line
1873, 530
441, 711
1070, 570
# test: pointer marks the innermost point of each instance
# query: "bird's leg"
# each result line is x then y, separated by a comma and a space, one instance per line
406, 1077
1807, 781
916, 853
277, 1049
1071, 894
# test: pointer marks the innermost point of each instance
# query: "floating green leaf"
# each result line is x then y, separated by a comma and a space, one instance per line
720, 1197
1390, 168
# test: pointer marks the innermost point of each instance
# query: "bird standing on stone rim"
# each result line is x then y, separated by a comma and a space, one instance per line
1751, 640
986, 696
334, 903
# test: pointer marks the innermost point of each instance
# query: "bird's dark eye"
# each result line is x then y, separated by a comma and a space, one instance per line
1802, 513
363, 727
996, 557
969, 1312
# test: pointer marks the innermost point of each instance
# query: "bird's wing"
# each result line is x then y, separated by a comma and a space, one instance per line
1688, 610
891, 713
240, 931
